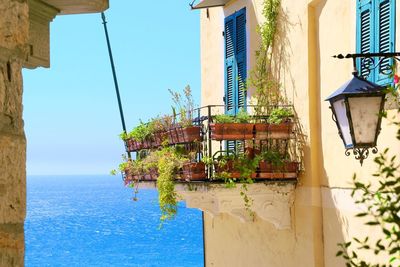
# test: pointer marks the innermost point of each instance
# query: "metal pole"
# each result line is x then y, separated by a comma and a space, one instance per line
121, 112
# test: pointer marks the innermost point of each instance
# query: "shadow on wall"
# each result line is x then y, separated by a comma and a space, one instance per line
333, 222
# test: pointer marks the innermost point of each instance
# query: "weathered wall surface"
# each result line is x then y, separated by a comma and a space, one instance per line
14, 28
310, 33
24, 42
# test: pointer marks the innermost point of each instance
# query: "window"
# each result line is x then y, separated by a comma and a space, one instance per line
375, 33
235, 62
235, 68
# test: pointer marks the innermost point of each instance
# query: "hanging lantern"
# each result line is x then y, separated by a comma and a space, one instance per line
357, 108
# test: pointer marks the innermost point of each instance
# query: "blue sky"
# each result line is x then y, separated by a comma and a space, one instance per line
70, 110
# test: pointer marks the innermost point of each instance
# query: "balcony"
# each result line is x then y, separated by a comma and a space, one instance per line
207, 154
216, 146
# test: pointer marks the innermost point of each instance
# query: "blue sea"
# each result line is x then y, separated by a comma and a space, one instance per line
92, 221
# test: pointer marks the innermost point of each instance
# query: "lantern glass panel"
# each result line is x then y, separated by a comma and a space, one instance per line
340, 110
365, 116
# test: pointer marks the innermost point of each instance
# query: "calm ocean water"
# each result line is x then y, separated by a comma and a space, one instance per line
92, 221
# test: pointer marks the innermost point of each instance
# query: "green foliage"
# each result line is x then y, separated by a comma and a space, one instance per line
267, 88
141, 132
169, 161
124, 136
241, 117
184, 105
279, 115
271, 156
224, 118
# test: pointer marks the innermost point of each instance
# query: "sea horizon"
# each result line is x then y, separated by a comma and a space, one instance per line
91, 220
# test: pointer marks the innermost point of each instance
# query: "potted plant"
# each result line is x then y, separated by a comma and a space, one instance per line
228, 127
192, 169
185, 130
273, 165
279, 125
225, 166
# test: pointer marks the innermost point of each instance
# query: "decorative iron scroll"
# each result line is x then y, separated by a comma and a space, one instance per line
371, 61
361, 153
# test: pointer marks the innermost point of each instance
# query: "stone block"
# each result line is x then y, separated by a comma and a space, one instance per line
14, 29
12, 179
12, 245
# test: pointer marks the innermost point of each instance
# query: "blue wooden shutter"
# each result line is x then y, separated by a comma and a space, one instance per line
235, 68
230, 72
235, 62
365, 29
384, 34
241, 58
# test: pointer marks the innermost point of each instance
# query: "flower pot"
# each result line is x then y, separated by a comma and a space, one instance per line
131, 145
129, 177
173, 136
153, 173
191, 134
228, 168
265, 131
231, 131
156, 140
194, 171
180, 135
268, 170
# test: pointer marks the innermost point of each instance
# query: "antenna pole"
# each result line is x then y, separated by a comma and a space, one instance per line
121, 112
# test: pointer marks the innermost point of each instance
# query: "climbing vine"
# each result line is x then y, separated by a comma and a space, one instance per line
261, 78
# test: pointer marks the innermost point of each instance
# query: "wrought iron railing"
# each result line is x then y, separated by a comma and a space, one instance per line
211, 141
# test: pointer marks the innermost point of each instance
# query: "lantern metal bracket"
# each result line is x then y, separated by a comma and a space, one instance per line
370, 61
361, 153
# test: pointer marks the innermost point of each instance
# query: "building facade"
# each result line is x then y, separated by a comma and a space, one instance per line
322, 211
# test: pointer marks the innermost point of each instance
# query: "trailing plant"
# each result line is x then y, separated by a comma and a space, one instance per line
168, 164
280, 114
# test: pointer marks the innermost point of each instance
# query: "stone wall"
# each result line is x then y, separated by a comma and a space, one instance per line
14, 33
14, 30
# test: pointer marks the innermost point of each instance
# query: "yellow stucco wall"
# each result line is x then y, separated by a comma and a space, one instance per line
311, 32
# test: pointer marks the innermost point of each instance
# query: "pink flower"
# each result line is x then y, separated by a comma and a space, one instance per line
396, 79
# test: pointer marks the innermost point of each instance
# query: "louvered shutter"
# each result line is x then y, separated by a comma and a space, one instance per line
241, 58
230, 70
235, 69
384, 32
365, 44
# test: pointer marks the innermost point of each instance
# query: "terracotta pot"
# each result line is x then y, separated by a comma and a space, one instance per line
191, 134
129, 177
287, 170
156, 140
173, 136
130, 145
231, 131
194, 171
180, 135
273, 131
229, 168
153, 173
